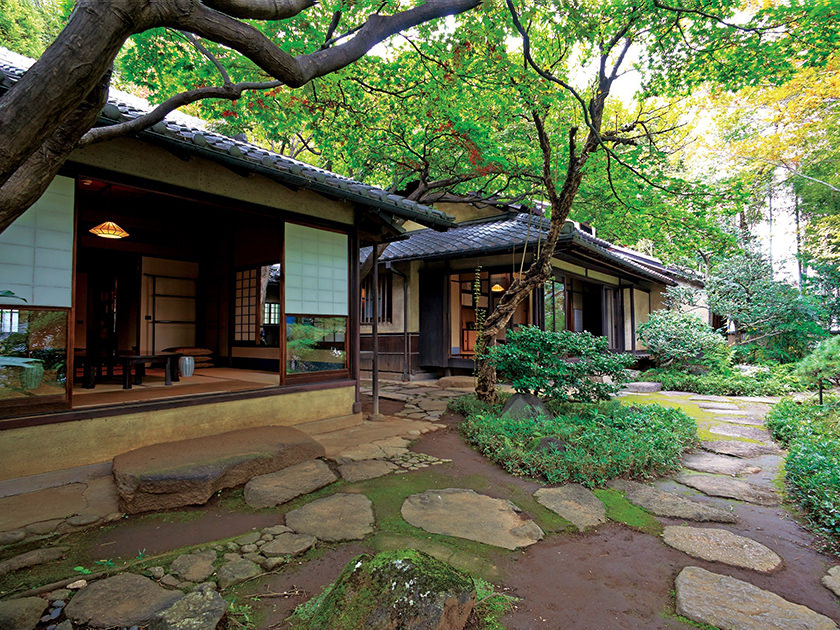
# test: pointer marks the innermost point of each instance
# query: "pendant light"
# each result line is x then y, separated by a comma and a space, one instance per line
109, 229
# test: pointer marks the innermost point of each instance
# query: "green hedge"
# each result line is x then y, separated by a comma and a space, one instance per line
778, 381
602, 441
811, 432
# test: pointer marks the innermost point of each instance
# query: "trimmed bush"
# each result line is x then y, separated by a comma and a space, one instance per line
822, 366
812, 434
777, 381
563, 366
682, 340
586, 443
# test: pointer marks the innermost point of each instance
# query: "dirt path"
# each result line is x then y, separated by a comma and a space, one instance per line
610, 578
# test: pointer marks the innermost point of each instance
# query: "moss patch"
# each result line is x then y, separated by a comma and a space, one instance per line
621, 510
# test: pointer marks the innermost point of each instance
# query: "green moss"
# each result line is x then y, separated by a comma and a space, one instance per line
621, 510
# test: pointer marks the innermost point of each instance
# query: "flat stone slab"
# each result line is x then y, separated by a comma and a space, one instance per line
831, 580
466, 514
732, 604
121, 601
288, 544
745, 420
21, 614
704, 461
456, 382
194, 567
669, 504
574, 503
341, 516
730, 413
200, 610
32, 558
236, 571
738, 448
366, 469
189, 472
284, 485
751, 433
720, 545
719, 406
728, 488
643, 387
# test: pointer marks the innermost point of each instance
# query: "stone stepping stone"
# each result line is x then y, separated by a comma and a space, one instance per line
831, 580
21, 614
747, 420
288, 544
722, 399
730, 412
574, 503
721, 464
341, 516
720, 545
719, 406
367, 469
737, 448
189, 472
643, 387
237, 570
751, 433
728, 488
194, 567
466, 514
282, 486
669, 504
731, 604
32, 558
121, 601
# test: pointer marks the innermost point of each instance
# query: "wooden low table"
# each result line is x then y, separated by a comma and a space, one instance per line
139, 361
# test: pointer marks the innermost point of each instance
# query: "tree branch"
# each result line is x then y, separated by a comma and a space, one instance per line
230, 92
261, 9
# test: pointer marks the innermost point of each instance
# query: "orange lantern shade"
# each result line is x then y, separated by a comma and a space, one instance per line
109, 229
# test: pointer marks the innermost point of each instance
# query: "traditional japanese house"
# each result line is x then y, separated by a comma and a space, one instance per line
179, 243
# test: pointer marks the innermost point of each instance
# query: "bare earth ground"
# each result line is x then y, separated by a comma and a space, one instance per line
611, 578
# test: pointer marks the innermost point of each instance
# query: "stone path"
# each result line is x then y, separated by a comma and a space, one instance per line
720, 545
576, 504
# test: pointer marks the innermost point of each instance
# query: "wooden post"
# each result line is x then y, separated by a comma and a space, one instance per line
374, 329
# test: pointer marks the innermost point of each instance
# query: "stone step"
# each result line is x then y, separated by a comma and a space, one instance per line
189, 472
728, 488
327, 425
704, 461
731, 604
669, 504
721, 545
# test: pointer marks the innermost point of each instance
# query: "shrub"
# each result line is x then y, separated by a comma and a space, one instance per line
683, 340
822, 366
600, 442
776, 381
566, 366
812, 433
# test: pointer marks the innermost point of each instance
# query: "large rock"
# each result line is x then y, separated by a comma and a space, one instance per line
31, 559
194, 567
236, 571
738, 448
21, 614
287, 544
719, 464
202, 609
643, 387
121, 601
364, 470
731, 604
669, 504
728, 488
396, 589
467, 514
720, 545
189, 472
574, 503
520, 406
341, 516
278, 487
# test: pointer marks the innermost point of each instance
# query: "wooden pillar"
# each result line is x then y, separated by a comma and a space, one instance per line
374, 329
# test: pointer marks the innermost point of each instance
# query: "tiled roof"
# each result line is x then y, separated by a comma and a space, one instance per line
505, 233
193, 135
